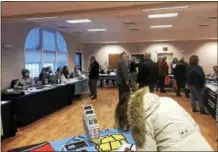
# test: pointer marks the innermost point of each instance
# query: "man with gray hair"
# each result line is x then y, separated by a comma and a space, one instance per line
148, 73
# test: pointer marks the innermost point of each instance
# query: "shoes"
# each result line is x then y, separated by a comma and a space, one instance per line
195, 110
93, 98
204, 113
178, 95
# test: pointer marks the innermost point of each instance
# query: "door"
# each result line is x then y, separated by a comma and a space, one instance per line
78, 60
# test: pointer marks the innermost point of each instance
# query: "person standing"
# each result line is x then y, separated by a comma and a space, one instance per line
180, 76
163, 72
133, 74
122, 78
93, 77
148, 73
196, 83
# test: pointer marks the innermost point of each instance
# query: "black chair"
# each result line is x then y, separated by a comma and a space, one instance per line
13, 82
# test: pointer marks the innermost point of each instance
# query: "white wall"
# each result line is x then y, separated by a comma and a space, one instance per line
206, 50
13, 59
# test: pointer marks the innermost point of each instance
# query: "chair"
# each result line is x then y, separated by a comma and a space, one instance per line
13, 82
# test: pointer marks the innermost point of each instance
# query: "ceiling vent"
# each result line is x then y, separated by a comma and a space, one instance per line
212, 18
62, 27
203, 25
129, 23
133, 29
77, 32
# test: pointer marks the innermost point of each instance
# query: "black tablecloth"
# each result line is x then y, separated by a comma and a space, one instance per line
31, 107
9, 125
210, 101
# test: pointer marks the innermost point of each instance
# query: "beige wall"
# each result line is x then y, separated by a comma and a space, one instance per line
206, 50
13, 59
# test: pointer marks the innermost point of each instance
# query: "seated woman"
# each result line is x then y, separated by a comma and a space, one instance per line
58, 73
160, 124
214, 75
65, 72
109, 70
43, 76
26, 81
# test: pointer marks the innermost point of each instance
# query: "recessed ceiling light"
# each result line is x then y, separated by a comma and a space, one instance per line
163, 15
161, 26
78, 21
166, 8
96, 30
40, 18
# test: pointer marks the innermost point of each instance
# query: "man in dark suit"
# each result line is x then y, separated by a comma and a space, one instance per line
122, 78
180, 76
148, 73
93, 77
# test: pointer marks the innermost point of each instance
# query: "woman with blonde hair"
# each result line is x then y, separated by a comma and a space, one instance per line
161, 124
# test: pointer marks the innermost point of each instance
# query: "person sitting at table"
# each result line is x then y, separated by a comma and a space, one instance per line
160, 124
214, 75
43, 76
65, 72
58, 73
26, 81
109, 70
77, 72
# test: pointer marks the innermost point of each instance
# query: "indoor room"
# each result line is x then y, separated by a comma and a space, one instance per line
109, 76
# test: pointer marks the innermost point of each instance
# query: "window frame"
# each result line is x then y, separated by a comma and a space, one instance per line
42, 50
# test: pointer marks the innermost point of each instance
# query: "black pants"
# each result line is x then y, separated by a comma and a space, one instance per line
93, 87
181, 84
122, 89
107, 82
151, 86
162, 83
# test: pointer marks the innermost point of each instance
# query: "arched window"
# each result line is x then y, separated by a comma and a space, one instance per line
44, 48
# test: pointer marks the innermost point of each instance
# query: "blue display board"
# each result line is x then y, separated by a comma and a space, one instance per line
111, 140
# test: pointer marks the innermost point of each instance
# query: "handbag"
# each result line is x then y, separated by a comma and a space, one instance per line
167, 80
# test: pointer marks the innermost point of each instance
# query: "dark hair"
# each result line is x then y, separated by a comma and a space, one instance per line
193, 60
58, 69
123, 53
24, 71
121, 112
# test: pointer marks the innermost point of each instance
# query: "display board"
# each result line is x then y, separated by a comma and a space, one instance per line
110, 140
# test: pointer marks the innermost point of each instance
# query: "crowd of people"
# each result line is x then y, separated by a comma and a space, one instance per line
160, 123
187, 76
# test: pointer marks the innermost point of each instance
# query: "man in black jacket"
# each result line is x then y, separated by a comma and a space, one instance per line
148, 73
93, 77
180, 76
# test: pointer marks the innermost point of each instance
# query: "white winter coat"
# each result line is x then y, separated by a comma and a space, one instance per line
167, 126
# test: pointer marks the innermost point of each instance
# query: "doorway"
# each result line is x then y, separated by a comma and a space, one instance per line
78, 60
169, 58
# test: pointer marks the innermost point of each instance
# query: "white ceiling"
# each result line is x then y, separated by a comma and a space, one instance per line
112, 15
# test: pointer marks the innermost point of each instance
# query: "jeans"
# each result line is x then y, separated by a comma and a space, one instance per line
197, 94
93, 87
133, 81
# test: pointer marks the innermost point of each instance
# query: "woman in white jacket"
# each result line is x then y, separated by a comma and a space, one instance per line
161, 124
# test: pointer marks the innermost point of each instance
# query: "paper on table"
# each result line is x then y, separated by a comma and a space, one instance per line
131, 147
